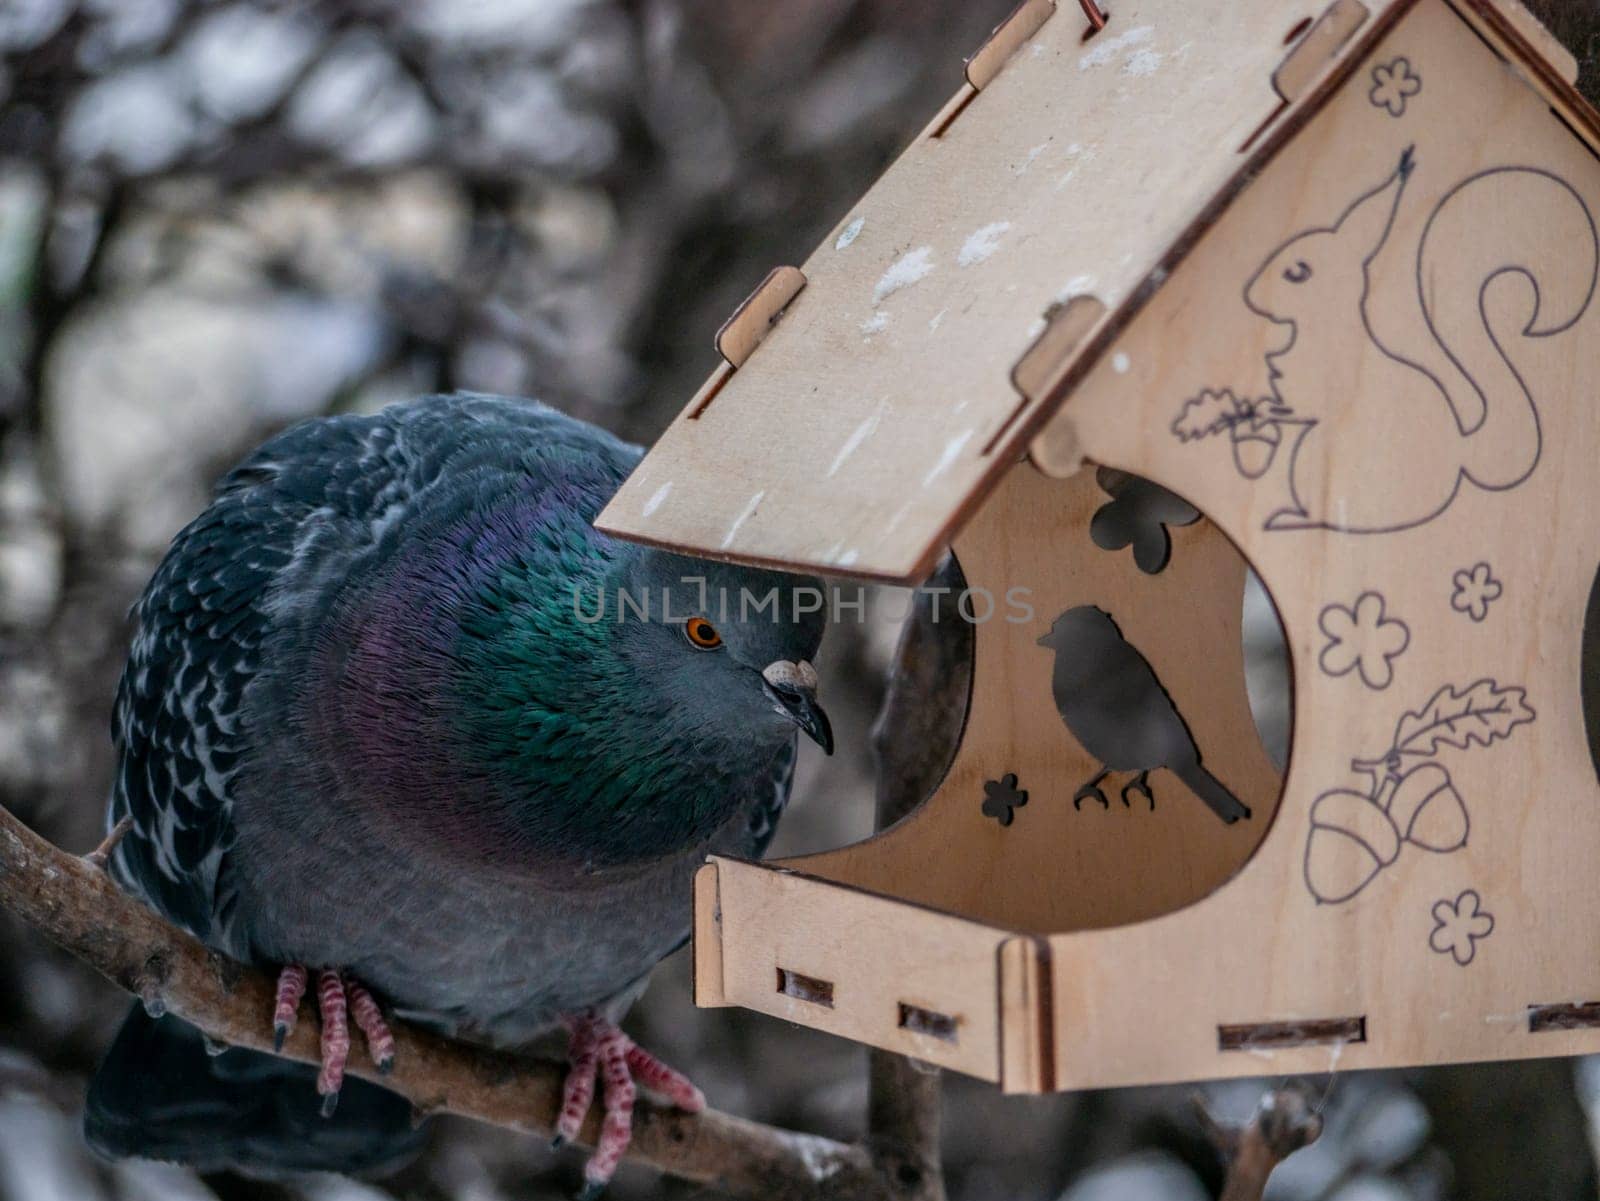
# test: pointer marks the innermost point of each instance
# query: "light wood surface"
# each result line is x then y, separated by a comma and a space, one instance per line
1373, 373
877, 954
1143, 1003
753, 319
1318, 48
1058, 866
878, 409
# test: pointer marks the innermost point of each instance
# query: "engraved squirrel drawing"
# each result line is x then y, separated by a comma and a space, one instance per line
1382, 405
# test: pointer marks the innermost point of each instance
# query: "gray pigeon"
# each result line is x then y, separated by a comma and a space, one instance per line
387, 729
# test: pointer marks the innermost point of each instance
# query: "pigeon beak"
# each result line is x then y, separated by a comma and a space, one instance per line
792, 688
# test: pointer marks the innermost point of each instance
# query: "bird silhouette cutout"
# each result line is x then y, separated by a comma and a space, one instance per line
1109, 697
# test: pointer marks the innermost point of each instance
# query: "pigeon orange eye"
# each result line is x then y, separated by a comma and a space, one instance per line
702, 633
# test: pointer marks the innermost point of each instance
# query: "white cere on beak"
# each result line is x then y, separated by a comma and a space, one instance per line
782, 673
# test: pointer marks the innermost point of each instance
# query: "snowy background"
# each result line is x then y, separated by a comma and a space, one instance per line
217, 218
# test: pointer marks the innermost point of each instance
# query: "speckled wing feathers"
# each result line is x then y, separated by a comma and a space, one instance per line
287, 524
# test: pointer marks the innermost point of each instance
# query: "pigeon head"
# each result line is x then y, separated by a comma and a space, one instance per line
601, 702
729, 649
624, 710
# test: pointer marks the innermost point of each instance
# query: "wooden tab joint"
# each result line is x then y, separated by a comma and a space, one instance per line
1543, 42
1027, 1016
757, 314
811, 989
742, 332
929, 1022
707, 984
1314, 47
1005, 39
981, 67
1037, 373
1318, 48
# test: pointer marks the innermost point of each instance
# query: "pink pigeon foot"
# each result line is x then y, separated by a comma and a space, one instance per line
599, 1051
339, 999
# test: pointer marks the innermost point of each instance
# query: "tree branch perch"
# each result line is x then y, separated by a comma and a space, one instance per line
1283, 1122
77, 906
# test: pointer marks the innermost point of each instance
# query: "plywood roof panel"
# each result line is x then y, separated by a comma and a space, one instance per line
881, 404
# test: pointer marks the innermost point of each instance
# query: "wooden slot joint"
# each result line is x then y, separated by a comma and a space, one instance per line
929, 1022
1308, 1032
812, 990
1317, 49
1027, 1017
715, 382
1580, 1015
709, 991
757, 314
1054, 448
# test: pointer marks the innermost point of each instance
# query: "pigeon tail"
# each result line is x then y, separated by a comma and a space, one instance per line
159, 1095
1212, 791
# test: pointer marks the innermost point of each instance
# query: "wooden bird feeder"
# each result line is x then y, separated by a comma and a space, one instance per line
1326, 273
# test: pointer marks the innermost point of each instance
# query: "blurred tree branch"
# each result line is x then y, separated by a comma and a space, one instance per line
1283, 1122
915, 736
76, 905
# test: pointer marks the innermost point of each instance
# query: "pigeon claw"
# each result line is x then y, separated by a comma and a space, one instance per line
599, 1053
369, 1019
340, 999
286, 1008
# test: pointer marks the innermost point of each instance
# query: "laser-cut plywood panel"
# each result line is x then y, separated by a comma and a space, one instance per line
870, 414
1373, 374
1404, 309
1063, 863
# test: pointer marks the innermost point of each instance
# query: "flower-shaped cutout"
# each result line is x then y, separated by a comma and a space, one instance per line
1393, 84
1363, 637
1476, 590
1001, 796
1459, 925
1138, 515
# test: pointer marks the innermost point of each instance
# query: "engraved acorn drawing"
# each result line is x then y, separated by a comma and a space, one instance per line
1355, 835
1428, 811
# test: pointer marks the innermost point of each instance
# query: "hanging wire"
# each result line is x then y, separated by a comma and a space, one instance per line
1097, 18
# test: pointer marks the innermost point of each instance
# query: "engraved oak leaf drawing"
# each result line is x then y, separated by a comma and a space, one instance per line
1480, 713
1459, 925
1211, 412
1354, 836
1363, 637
